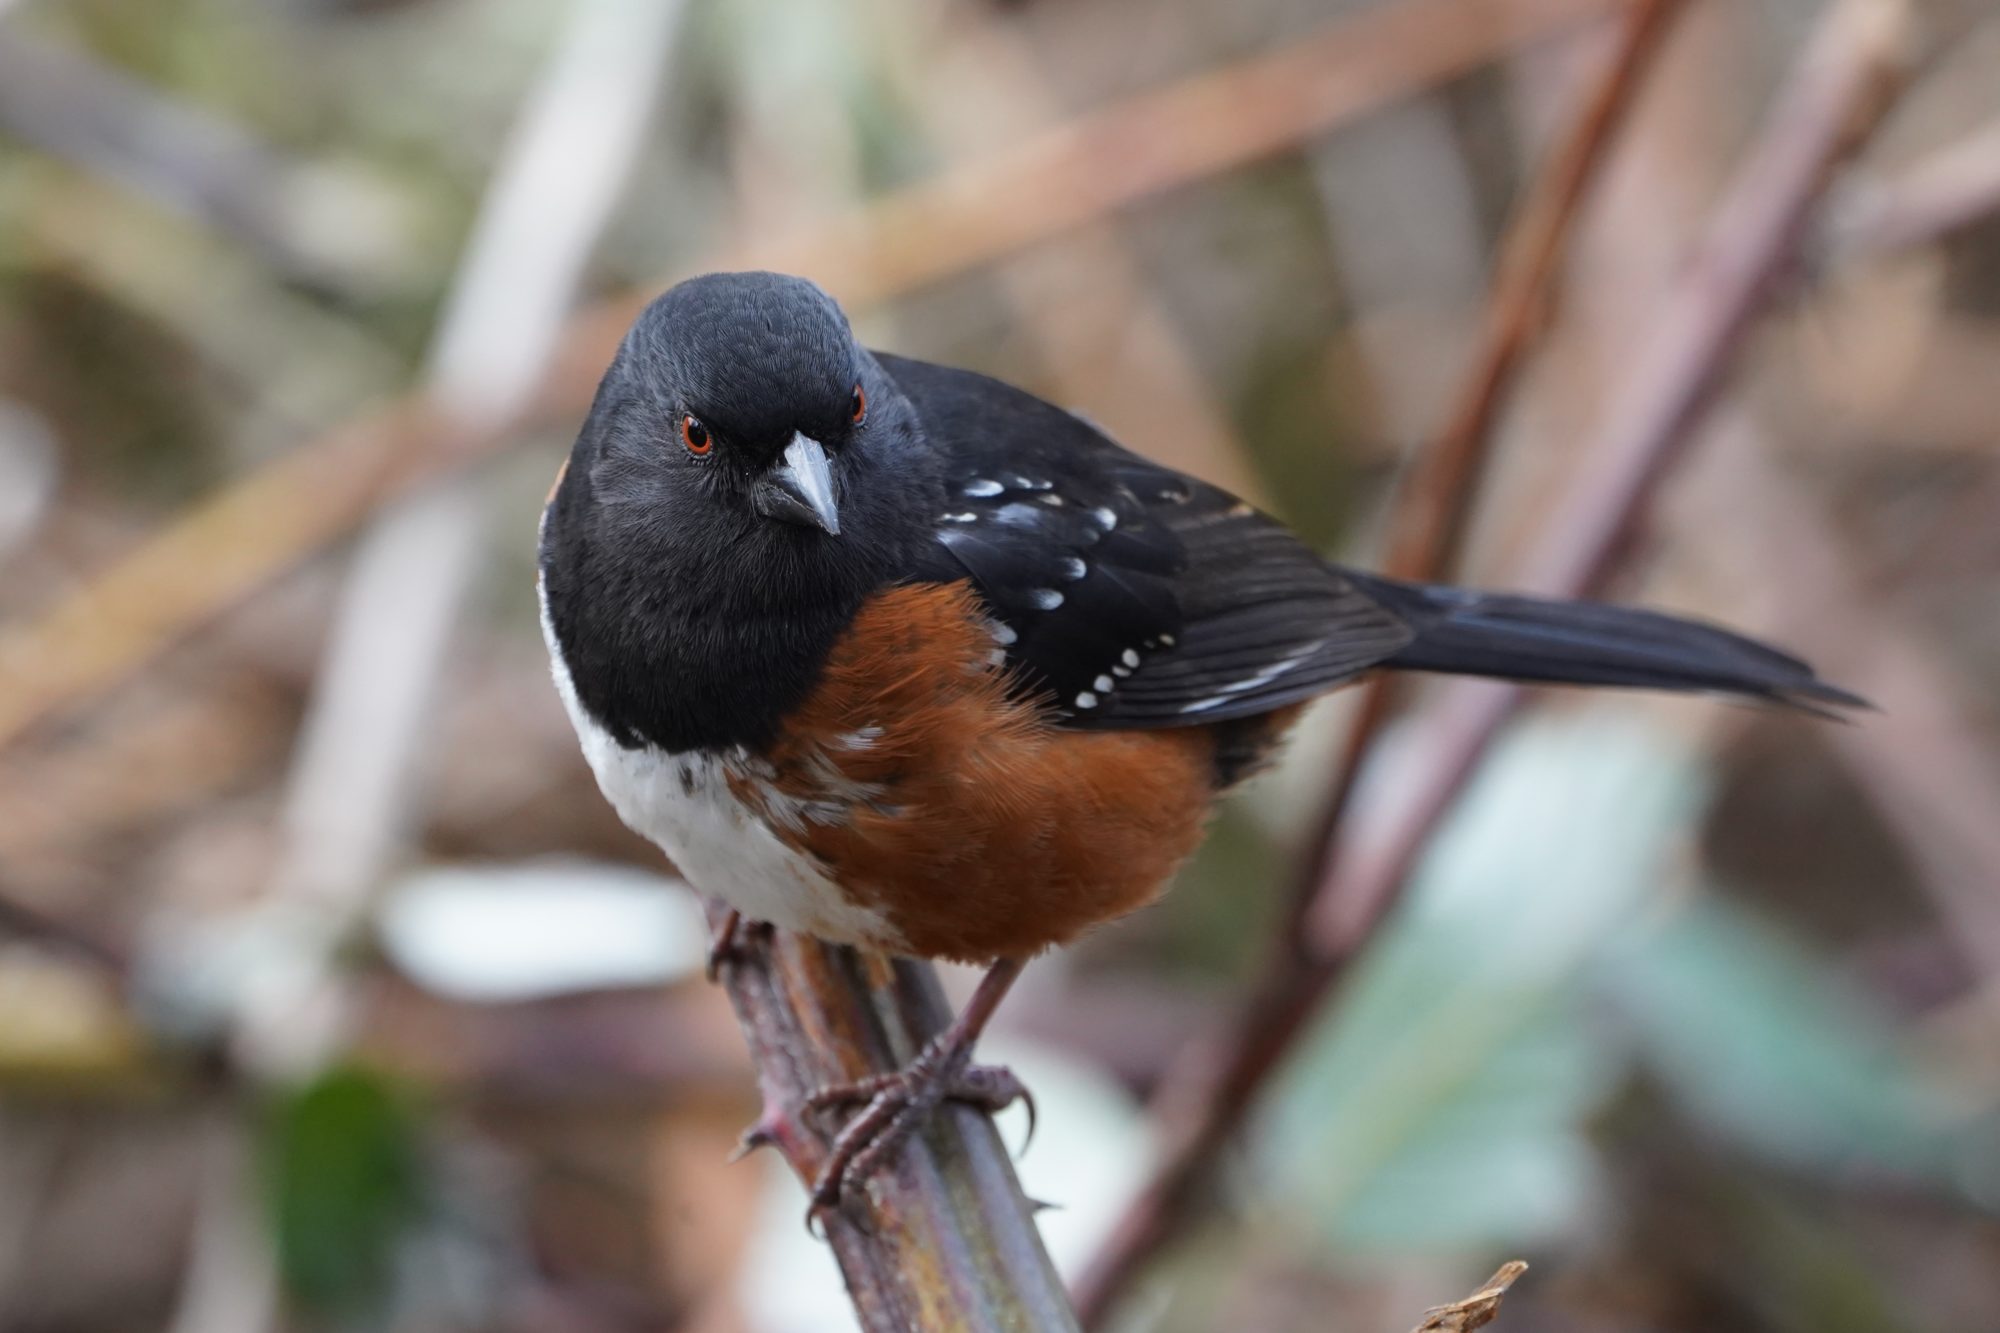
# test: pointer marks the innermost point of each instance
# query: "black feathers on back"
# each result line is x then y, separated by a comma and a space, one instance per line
1134, 596
1137, 597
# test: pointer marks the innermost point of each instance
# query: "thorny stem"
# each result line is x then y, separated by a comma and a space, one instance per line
944, 1238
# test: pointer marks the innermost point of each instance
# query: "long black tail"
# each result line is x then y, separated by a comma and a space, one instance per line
1589, 643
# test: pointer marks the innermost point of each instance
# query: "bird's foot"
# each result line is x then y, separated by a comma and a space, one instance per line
893, 1106
730, 941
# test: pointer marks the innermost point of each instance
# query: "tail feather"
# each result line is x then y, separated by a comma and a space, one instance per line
1591, 643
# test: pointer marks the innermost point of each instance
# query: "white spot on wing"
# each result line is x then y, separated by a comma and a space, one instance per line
1103, 684
983, 487
1019, 515
1105, 516
1073, 568
1086, 700
1003, 634
1045, 599
1129, 658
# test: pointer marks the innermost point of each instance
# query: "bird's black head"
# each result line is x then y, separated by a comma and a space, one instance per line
747, 475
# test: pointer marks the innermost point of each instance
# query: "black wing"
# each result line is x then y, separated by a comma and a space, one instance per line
1133, 595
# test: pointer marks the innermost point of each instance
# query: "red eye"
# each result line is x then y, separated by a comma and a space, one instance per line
859, 407
696, 437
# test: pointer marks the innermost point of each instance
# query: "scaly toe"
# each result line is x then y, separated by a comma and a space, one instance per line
884, 1122
856, 1093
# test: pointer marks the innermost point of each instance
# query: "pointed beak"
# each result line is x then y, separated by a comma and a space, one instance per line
799, 487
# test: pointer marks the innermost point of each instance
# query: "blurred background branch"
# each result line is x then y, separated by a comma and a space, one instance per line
1207, 1098
61, 102
1844, 84
1953, 188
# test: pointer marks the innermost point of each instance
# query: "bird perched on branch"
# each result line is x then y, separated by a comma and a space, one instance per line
902, 657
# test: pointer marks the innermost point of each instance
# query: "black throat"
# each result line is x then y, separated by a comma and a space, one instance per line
692, 635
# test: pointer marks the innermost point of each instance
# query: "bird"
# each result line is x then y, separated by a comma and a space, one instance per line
903, 657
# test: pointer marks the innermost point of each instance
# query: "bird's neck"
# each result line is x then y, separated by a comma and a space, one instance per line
684, 677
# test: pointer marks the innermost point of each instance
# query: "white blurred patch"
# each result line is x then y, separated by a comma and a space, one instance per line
27, 473
491, 933
1441, 1104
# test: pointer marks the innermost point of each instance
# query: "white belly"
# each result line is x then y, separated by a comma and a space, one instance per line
683, 804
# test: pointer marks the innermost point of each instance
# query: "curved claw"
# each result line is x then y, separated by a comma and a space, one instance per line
1028, 1099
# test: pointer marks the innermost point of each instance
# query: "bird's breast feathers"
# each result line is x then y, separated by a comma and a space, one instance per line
914, 804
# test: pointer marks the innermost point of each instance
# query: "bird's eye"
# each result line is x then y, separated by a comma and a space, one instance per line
857, 407
695, 436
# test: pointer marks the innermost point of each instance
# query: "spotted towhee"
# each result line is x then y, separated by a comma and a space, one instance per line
903, 657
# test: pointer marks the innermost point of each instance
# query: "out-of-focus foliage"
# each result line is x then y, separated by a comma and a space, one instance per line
1764, 1041
1549, 944
1444, 1102
342, 1173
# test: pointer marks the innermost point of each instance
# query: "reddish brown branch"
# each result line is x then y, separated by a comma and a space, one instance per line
944, 1240
1431, 510
1428, 523
1837, 93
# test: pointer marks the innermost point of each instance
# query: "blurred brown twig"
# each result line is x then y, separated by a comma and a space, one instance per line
1839, 89
1427, 525
21, 921
1477, 1310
